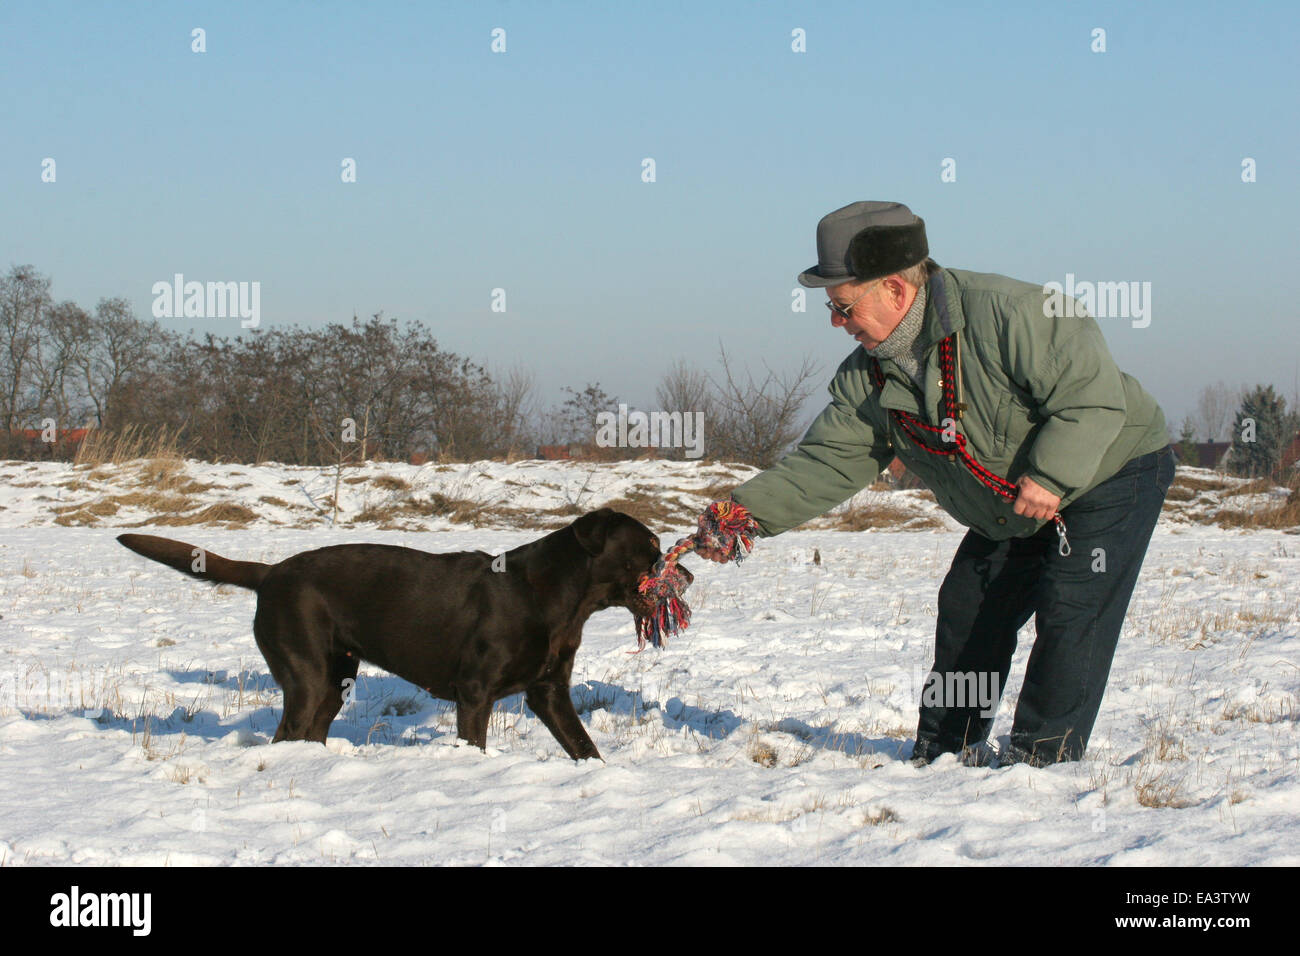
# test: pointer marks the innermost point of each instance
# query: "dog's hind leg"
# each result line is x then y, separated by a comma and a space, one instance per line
295, 720
268, 625
294, 633
343, 670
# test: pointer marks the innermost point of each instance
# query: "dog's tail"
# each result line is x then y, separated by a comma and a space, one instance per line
196, 562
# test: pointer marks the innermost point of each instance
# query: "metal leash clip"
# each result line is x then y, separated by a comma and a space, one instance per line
1060, 531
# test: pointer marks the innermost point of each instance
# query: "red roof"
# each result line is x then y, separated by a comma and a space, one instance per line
62, 436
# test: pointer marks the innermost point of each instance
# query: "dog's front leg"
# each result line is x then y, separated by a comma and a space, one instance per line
551, 702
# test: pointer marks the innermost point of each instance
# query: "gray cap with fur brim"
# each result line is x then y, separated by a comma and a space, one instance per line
864, 241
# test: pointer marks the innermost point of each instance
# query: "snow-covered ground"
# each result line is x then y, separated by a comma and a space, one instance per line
135, 709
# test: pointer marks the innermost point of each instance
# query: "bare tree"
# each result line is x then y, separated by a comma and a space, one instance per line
24, 301
580, 411
685, 389
516, 400
1214, 409
117, 346
62, 339
758, 421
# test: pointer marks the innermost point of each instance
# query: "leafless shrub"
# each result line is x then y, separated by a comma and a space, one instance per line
756, 421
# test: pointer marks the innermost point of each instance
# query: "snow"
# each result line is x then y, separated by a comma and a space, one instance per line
136, 710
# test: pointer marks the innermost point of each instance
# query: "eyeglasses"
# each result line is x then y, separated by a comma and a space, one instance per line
843, 311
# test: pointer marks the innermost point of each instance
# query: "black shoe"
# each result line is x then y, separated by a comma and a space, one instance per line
925, 753
1011, 754
977, 755
928, 751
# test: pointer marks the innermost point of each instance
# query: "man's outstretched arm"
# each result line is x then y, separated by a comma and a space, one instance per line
840, 454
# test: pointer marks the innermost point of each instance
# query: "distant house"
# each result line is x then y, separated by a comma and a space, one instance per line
1214, 454
1291, 453
1210, 454
560, 452
32, 441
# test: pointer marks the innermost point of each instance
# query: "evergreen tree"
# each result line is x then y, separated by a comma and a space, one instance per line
1187, 443
1258, 433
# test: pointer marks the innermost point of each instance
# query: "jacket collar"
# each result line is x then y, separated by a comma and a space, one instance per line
943, 317
943, 314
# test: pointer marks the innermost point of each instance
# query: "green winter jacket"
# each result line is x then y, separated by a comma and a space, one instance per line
1044, 398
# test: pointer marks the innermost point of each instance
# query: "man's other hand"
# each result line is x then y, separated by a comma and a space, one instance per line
1035, 501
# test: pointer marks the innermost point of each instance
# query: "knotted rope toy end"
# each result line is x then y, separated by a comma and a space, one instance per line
725, 526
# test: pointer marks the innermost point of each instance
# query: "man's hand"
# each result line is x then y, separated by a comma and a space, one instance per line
717, 537
1035, 501
721, 557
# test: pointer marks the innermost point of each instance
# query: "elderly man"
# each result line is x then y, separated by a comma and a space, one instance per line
1018, 420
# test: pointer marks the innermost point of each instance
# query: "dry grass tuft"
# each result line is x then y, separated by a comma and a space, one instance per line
762, 753
720, 490
76, 519
154, 501
882, 816
1193, 497
1282, 516
1197, 484
1255, 487
162, 473
101, 447
391, 483
225, 513
1270, 712
458, 510
102, 508
1161, 789
652, 511
866, 515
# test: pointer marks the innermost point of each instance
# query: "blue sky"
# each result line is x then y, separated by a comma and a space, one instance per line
522, 170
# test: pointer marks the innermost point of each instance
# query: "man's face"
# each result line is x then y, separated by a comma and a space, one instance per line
878, 307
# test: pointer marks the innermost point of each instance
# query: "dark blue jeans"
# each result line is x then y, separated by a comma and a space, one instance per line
992, 589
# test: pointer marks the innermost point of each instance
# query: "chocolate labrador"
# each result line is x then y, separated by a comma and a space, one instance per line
466, 626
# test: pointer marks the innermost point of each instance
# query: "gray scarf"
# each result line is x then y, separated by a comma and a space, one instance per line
901, 344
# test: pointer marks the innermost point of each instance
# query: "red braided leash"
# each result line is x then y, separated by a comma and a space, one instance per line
953, 442
726, 526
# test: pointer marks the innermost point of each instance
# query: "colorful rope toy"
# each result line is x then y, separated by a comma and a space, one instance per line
726, 526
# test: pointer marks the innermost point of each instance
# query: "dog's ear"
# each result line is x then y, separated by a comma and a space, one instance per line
591, 529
